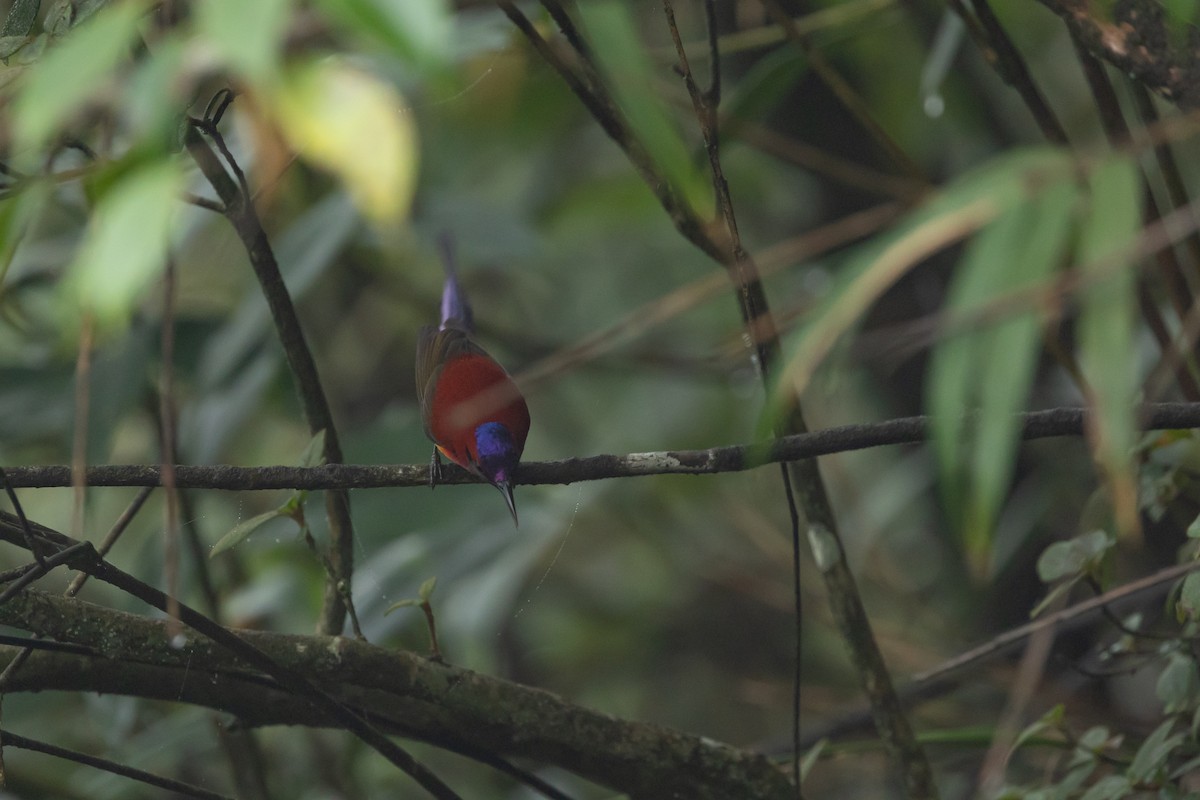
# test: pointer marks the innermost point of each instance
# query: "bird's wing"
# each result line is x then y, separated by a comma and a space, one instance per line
435, 347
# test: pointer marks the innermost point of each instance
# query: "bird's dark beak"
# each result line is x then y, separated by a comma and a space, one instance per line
506, 489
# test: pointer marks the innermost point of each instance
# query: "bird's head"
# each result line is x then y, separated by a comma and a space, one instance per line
498, 459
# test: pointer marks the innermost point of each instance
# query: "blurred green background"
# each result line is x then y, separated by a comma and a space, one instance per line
667, 598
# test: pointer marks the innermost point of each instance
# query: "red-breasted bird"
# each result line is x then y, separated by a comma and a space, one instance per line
471, 407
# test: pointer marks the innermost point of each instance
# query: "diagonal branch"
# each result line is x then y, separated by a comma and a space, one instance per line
399, 692
240, 211
1137, 38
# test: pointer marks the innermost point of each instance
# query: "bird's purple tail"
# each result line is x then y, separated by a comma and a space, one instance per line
455, 309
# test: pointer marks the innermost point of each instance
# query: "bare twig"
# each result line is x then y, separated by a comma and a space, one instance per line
905, 430
845, 93
998, 48
240, 211
177, 788
805, 476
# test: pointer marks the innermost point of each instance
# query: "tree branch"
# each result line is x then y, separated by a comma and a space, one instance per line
734, 458
1138, 40
400, 692
240, 211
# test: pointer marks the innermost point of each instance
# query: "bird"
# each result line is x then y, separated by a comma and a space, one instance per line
471, 408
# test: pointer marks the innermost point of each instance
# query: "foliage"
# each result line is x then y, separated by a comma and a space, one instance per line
923, 250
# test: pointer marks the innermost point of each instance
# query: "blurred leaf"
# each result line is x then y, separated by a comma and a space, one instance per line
314, 453
762, 87
1151, 757
246, 36
1179, 683
1110, 787
245, 528
126, 243
1095, 738
70, 74
16, 214
1052, 720
156, 98
958, 210
354, 125
424, 592
1107, 323
305, 251
1073, 557
811, 757
989, 371
631, 77
418, 31
411, 602
1187, 607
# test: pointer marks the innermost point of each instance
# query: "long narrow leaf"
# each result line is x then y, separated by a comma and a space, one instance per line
989, 371
1106, 326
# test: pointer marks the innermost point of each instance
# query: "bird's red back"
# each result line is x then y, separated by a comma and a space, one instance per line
460, 387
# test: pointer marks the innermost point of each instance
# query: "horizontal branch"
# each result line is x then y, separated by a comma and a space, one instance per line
735, 458
400, 693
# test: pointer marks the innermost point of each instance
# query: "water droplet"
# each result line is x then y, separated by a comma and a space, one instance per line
935, 105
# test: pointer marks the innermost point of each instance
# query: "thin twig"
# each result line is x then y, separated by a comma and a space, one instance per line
169, 784
845, 93
166, 415
1003, 55
805, 476
939, 679
83, 377
1064, 421
240, 212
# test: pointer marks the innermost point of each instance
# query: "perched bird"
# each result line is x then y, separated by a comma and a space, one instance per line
471, 408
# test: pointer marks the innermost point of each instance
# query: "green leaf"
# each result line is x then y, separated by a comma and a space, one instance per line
762, 87
351, 123
1107, 325
989, 371
426, 589
125, 247
21, 17
631, 76
1111, 787
246, 36
1187, 607
957, 211
1152, 756
314, 453
1073, 557
16, 215
1052, 720
417, 32
244, 529
1178, 684
411, 602
71, 74
811, 757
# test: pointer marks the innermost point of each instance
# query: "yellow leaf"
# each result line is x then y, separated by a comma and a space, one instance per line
354, 125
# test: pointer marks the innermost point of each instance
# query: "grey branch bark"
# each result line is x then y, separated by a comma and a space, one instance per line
401, 693
1137, 37
734, 458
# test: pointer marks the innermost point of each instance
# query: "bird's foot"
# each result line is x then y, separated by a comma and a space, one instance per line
435, 469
